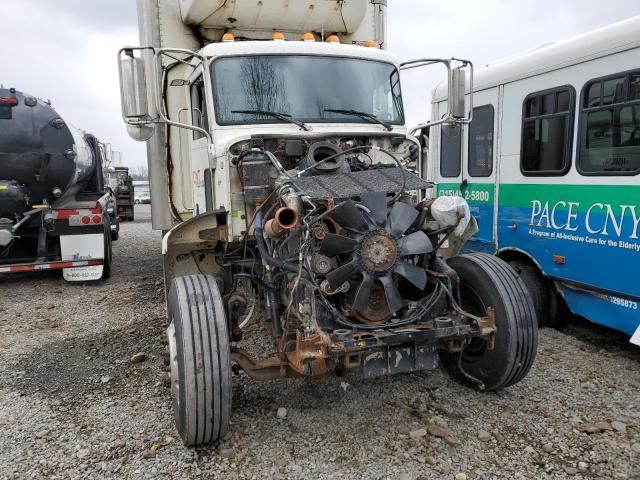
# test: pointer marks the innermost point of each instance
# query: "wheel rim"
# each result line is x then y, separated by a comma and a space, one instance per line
173, 363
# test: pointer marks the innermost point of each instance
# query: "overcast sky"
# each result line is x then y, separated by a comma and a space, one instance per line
65, 50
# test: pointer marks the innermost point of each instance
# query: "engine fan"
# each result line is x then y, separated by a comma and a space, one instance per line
375, 246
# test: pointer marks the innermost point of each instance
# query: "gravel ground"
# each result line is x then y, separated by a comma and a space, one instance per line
74, 405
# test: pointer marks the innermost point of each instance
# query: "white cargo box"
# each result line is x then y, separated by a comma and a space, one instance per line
279, 15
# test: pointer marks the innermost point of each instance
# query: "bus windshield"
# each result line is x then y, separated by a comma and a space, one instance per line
305, 87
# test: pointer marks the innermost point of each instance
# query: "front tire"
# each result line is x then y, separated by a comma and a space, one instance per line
200, 359
486, 281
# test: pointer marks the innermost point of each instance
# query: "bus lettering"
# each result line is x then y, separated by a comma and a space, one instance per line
617, 220
588, 218
572, 216
611, 216
636, 221
553, 216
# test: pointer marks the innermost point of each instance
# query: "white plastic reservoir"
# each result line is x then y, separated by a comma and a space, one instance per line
281, 15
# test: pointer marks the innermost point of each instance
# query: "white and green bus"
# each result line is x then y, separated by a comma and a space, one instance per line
550, 165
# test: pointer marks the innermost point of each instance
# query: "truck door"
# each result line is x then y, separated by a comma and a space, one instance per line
201, 173
478, 184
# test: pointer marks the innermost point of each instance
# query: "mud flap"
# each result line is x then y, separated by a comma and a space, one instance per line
82, 247
396, 359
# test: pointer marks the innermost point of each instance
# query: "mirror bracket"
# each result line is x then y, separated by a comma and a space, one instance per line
456, 76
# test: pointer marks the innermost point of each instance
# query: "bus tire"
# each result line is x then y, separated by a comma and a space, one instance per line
538, 289
200, 359
487, 281
554, 319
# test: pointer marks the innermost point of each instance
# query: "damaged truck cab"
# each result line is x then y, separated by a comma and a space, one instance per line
286, 184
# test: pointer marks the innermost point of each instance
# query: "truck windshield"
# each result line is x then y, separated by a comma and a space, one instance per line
306, 88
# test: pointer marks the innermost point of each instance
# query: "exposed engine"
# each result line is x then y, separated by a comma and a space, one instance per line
345, 245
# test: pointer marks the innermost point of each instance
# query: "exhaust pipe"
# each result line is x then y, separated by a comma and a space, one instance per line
285, 219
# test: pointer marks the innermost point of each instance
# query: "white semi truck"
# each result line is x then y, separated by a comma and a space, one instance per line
284, 181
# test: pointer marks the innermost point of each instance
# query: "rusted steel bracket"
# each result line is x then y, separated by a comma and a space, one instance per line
267, 369
310, 356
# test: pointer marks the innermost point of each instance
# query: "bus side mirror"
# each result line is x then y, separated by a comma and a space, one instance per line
457, 90
133, 95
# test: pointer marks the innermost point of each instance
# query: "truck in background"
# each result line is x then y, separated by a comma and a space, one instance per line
53, 201
122, 185
550, 166
282, 176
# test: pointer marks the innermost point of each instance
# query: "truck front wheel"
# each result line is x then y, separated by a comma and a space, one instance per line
486, 281
200, 359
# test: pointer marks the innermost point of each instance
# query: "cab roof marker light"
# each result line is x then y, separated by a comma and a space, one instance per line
333, 39
371, 44
308, 37
228, 37
278, 37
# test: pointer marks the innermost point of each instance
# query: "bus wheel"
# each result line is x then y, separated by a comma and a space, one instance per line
486, 281
554, 318
200, 359
539, 290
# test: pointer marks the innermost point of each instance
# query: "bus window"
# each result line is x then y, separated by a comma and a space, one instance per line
610, 126
450, 151
481, 142
547, 132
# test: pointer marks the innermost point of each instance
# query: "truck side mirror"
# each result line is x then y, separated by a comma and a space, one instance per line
457, 90
133, 95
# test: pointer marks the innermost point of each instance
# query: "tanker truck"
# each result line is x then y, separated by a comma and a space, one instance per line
286, 182
53, 201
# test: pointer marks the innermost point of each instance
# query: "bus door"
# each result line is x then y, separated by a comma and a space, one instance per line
478, 182
445, 163
466, 165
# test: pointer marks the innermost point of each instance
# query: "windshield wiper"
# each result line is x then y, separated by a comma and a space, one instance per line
365, 115
285, 117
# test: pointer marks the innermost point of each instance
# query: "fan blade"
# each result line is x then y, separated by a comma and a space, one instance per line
400, 218
348, 216
416, 275
415, 244
361, 302
342, 274
333, 245
376, 202
394, 300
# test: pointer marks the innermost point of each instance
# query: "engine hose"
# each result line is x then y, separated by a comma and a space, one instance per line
273, 305
264, 251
